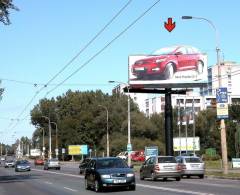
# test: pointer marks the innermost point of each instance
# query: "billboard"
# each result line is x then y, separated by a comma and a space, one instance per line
77, 149
170, 67
184, 144
35, 152
151, 151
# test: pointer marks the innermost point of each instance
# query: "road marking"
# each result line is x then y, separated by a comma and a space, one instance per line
141, 185
173, 190
66, 174
211, 184
70, 189
47, 182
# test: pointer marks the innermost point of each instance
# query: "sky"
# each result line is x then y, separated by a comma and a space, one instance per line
45, 35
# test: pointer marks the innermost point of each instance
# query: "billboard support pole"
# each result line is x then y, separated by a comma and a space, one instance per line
168, 123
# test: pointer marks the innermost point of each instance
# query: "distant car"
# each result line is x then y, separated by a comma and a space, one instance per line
38, 161
22, 165
191, 166
138, 155
123, 155
83, 165
52, 164
109, 172
160, 167
166, 61
9, 163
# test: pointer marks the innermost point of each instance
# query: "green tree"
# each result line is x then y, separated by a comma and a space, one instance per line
5, 6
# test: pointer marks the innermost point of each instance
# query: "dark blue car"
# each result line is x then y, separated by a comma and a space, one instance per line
109, 172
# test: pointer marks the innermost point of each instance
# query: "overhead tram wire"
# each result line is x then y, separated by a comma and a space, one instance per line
75, 57
105, 47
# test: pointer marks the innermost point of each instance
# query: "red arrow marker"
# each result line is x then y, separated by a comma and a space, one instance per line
169, 25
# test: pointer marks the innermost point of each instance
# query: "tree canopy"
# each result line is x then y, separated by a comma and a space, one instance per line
5, 6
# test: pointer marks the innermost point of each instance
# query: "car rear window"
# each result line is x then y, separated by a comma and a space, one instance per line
166, 159
193, 160
111, 163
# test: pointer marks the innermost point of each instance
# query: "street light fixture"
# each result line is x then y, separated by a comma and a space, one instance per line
107, 129
129, 145
222, 126
56, 150
50, 136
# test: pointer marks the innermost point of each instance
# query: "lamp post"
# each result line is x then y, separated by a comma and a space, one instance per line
222, 126
43, 144
129, 145
56, 150
50, 136
107, 129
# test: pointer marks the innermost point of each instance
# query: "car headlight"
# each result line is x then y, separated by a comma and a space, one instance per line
130, 174
160, 60
106, 176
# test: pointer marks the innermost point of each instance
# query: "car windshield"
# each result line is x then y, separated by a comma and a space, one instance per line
23, 162
193, 160
111, 163
167, 159
164, 51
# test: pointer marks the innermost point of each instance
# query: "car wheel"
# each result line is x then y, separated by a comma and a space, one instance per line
169, 72
201, 176
178, 178
97, 187
153, 177
188, 176
165, 179
200, 66
86, 185
132, 187
141, 177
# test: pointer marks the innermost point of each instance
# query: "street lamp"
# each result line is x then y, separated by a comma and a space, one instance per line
107, 129
129, 145
56, 150
50, 136
222, 126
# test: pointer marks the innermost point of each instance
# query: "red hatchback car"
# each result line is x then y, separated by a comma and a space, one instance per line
38, 161
163, 63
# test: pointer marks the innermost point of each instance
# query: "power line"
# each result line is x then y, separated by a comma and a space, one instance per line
83, 49
105, 47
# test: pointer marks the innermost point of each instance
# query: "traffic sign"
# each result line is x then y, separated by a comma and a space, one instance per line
129, 147
222, 95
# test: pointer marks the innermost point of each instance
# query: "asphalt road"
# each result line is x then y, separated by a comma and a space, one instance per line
68, 181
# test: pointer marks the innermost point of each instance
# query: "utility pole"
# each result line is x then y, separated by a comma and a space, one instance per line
222, 125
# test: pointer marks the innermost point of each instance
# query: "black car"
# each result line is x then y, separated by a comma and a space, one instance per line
109, 172
83, 165
22, 165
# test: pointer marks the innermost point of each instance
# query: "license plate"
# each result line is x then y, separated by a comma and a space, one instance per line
119, 181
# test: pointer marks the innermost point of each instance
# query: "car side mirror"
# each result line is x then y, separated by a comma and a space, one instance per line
131, 166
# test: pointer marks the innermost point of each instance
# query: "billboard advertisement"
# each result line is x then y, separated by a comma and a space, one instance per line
35, 152
189, 143
170, 67
77, 149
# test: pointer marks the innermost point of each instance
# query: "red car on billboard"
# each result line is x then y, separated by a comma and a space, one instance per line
163, 63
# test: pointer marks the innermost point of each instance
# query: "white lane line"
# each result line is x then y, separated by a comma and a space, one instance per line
173, 190
47, 182
141, 185
212, 184
70, 189
66, 174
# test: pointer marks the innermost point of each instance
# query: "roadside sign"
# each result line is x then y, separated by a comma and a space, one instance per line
129, 147
236, 162
63, 150
151, 151
56, 151
221, 95
222, 110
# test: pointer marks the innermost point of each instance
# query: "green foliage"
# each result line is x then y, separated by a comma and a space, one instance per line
5, 6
